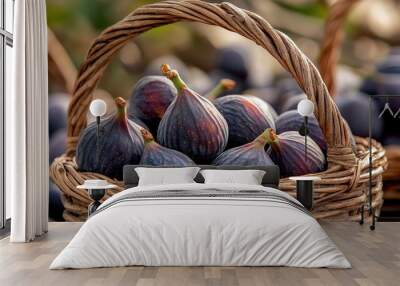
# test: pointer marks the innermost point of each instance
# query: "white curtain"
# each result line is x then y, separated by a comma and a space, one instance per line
27, 124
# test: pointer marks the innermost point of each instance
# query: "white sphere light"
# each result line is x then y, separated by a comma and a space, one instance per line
305, 107
98, 107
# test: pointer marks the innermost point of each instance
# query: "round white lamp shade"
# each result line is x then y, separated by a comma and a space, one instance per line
305, 107
98, 107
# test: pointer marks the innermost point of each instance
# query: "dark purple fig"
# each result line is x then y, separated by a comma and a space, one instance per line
120, 143
368, 86
292, 102
58, 108
252, 153
247, 116
233, 61
391, 63
286, 88
156, 155
265, 106
150, 99
292, 121
267, 94
355, 109
57, 144
192, 124
56, 207
288, 151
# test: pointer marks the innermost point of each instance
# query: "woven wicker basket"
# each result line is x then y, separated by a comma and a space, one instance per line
342, 189
330, 52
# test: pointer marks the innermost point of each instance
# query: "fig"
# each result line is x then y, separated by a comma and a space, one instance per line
56, 207
385, 81
156, 155
292, 102
265, 106
150, 99
355, 109
58, 108
247, 116
192, 124
233, 61
252, 153
286, 87
120, 143
368, 86
267, 94
57, 144
288, 152
292, 121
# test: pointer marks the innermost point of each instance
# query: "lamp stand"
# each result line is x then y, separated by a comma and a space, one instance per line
97, 139
305, 137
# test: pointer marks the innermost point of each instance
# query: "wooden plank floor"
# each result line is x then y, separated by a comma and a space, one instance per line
375, 257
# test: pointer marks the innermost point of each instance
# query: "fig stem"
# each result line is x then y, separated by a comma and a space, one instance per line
223, 85
121, 111
173, 75
147, 136
269, 136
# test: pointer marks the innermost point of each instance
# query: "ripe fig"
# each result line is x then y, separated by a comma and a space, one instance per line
156, 155
292, 102
265, 106
288, 151
120, 143
150, 99
56, 207
292, 121
57, 144
192, 124
247, 116
252, 153
267, 94
355, 109
232, 60
58, 108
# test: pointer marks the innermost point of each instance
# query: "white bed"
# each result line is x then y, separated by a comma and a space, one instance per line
201, 230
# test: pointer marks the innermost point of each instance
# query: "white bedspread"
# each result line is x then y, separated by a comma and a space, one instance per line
200, 231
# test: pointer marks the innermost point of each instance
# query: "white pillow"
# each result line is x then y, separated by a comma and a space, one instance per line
246, 177
166, 176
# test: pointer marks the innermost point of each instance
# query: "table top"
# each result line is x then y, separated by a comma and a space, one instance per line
89, 187
305, 178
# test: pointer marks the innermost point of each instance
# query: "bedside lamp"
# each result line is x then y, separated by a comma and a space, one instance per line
305, 108
98, 108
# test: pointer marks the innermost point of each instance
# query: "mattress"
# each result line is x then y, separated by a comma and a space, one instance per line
201, 225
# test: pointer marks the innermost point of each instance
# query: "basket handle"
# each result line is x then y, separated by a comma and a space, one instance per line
332, 41
227, 16
63, 67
